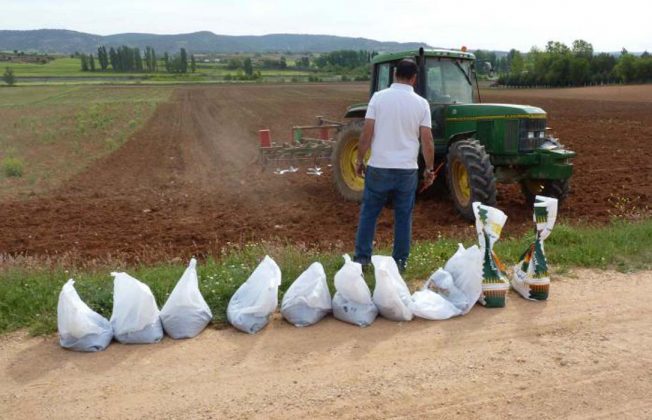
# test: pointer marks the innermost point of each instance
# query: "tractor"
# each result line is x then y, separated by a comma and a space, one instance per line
476, 144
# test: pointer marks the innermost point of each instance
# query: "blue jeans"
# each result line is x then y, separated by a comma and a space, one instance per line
380, 185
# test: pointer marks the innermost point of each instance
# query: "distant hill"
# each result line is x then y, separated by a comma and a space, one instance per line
64, 41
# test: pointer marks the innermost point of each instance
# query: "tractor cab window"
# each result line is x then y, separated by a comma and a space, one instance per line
383, 79
448, 81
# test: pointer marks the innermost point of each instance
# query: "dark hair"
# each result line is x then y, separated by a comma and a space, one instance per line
406, 68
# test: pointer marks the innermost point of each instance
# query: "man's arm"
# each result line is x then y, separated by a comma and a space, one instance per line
428, 150
427, 147
364, 144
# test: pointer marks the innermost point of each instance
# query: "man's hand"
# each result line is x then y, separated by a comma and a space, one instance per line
360, 169
428, 179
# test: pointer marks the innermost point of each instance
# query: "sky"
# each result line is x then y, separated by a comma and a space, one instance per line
495, 25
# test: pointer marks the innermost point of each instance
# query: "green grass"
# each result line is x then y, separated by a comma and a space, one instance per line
12, 167
28, 295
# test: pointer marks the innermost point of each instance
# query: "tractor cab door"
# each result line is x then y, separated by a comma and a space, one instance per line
383, 77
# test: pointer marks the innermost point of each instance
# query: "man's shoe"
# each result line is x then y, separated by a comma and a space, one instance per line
364, 262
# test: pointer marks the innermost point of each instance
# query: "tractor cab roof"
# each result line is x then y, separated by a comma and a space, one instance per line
442, 53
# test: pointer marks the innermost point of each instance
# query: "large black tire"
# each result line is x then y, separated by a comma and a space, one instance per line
470, 176
557, 188
343, 159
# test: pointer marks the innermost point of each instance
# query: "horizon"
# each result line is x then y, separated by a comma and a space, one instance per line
498, 26
315, 34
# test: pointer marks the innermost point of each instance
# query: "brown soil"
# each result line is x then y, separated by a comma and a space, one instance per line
586, 353
187, 183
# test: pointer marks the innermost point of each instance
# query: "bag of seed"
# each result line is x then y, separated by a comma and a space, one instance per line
308, 299
80, 328
352, 302
489, 222
256, 299
186, 314
391, 295
135, 318
530, 276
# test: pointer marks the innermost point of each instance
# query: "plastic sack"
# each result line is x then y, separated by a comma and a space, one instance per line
308, 299
80, 328
465, 268
441, 282
135, 318
352, 301
391, 294
489, 222
254, 302
530, 276
430, 305
186, 314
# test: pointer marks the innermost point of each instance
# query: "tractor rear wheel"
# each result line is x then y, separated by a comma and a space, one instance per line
345, 155
557, 188
470, 176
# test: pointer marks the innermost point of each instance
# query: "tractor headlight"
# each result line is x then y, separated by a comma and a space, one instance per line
532, 134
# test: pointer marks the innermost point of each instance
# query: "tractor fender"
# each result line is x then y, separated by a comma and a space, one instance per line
356, 111
460, 136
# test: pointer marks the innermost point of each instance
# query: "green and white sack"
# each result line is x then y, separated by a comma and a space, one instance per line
489, 222
530, 276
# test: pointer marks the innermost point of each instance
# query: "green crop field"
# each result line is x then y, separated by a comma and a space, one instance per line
68, 70
49, 133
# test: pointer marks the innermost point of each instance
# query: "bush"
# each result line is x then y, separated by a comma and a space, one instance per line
12, 167
9, 77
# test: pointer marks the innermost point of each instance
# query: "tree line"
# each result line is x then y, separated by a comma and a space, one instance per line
125, 59
577, 65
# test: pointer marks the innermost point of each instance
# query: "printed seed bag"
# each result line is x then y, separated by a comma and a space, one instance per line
489, 222
530, 276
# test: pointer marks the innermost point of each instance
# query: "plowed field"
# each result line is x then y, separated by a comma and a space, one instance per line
187, 183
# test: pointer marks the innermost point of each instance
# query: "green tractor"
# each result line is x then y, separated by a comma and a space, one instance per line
477, 144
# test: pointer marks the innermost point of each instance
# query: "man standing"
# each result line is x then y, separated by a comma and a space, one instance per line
395, 119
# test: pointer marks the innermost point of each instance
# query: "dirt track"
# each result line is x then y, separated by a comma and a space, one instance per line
186, 184
586, 353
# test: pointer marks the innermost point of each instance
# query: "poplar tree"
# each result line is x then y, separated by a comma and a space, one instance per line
102, 58
113, 57
184, 62
84, 62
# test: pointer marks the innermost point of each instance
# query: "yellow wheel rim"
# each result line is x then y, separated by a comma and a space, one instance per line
461, 185
348, 158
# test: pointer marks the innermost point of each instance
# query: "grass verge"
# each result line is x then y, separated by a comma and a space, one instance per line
28, 296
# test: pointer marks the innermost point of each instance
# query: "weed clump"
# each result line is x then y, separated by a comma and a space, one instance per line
12, 167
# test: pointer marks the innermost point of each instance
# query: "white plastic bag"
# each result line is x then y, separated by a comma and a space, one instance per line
135, 318
391, 294
186, 314
465, 268
441, 282
489, 222
430, 305
530, 276
80, 328
308, 299
254, 302
352, 301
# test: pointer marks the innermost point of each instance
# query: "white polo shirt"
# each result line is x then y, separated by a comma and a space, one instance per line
398, 113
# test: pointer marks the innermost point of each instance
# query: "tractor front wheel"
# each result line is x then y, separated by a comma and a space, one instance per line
557, 188
345, 155
470, 176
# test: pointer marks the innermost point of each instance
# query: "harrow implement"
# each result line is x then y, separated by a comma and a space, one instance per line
309, 144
